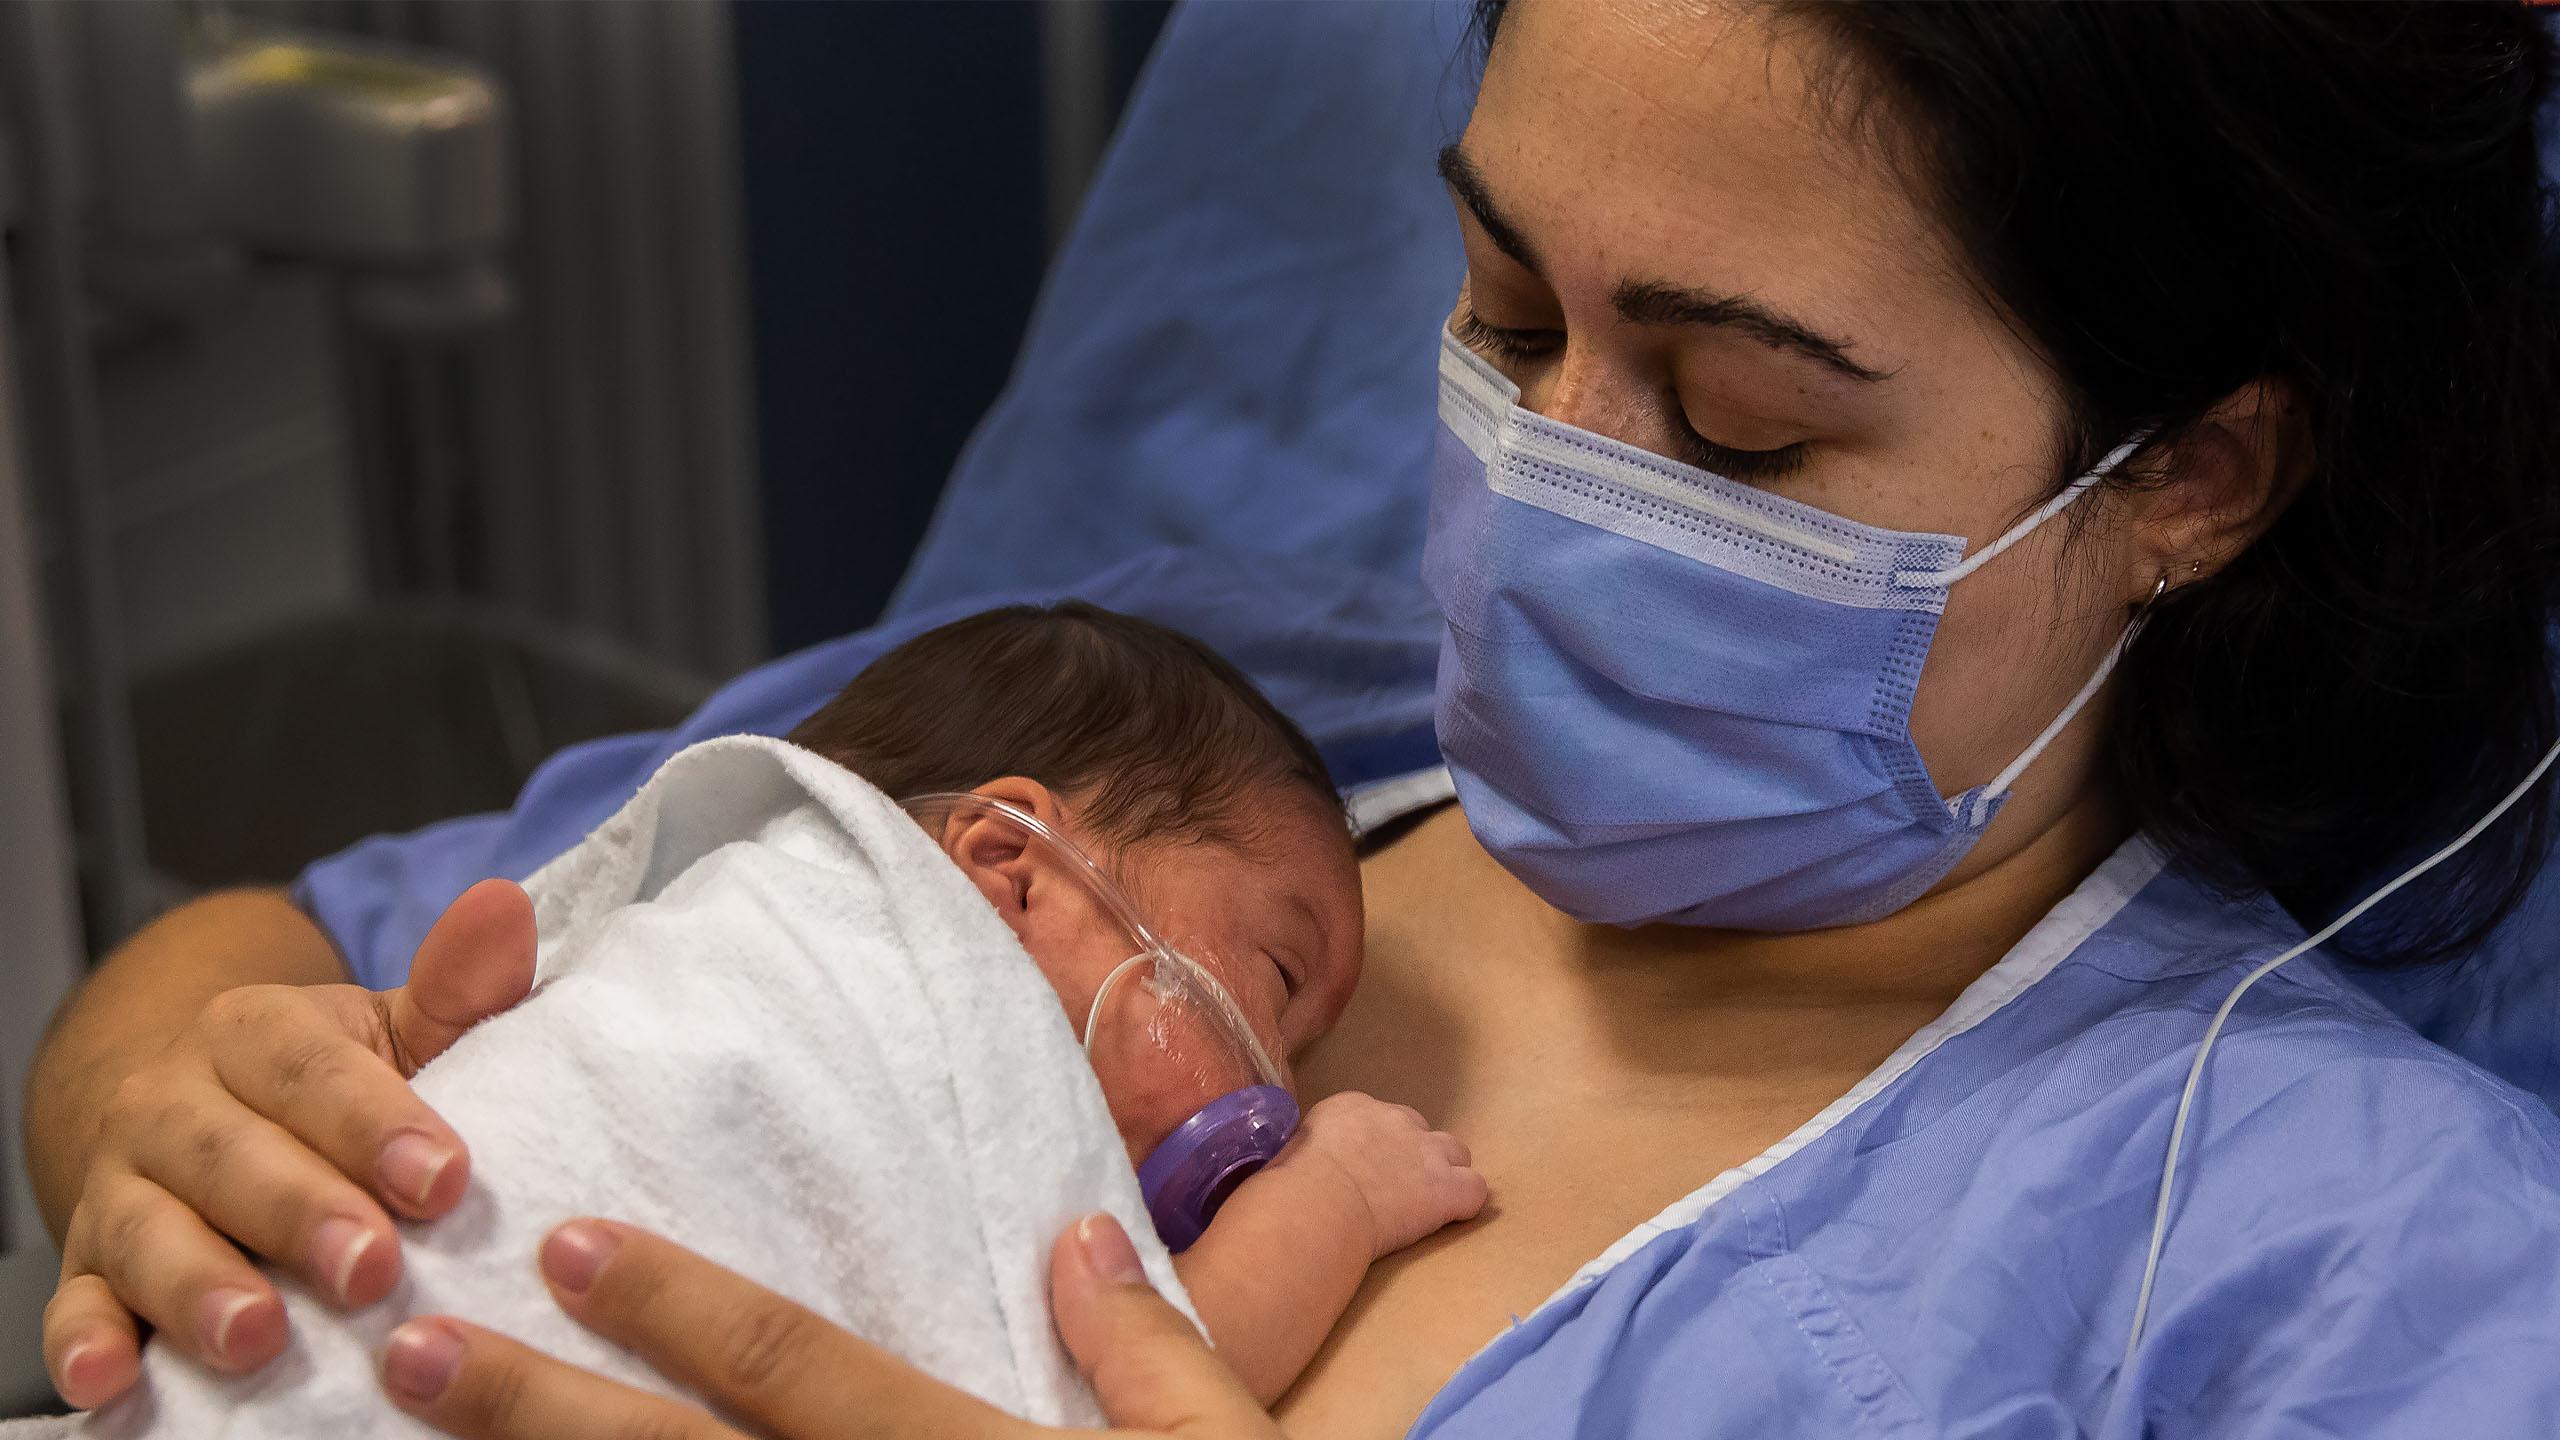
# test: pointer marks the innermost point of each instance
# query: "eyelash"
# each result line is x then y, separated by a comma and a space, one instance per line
1289, 983
1501, 343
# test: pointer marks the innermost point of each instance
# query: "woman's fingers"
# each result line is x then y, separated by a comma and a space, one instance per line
474, 963
91, 1348
202, 1295
752, 1352
262, 1187
787, 1371
1147, 1364
295, 1057
480, 1385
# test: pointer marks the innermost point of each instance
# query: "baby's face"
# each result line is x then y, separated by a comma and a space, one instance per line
1277, 921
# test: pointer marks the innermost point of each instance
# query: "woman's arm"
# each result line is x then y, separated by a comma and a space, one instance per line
152, 987
198, 1098
786, 1371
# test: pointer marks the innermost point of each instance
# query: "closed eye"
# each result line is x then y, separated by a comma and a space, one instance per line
1290, 980
1501, 343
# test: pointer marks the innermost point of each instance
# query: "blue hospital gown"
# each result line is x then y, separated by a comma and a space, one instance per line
2366, 1241
2367, 1234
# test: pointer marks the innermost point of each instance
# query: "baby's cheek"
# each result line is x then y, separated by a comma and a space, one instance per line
1260, 994
1154, 1077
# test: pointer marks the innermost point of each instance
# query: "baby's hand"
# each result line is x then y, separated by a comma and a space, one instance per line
1406, 1178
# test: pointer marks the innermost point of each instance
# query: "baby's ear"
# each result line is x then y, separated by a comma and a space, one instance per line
990, 851
994, 852
1026, 795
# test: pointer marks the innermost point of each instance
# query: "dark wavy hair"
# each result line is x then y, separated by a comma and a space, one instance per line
2172, 200
1155, 735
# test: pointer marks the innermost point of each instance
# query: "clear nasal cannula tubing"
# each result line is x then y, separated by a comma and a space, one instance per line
1099, 883
1187, 1173
2195, 1072
1209, 990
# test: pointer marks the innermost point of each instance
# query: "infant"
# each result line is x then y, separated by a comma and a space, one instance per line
1216, 817
789, 1022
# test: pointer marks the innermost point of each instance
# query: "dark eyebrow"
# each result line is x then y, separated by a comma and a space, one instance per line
1467, 183
1650, 302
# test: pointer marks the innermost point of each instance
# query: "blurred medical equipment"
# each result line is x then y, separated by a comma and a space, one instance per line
39, 923
386, 161
1194, 1089
367, 388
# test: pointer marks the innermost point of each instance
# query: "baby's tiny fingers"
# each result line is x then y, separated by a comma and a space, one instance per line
1452, 1149
1468, 1194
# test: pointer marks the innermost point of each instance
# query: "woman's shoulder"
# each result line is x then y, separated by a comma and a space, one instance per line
2313, 1090
2308, 1062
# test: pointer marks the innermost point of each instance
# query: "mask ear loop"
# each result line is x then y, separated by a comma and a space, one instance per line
2213, 1032
1930, 579
2000, 783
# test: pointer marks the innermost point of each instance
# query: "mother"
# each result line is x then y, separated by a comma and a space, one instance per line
1812, 1104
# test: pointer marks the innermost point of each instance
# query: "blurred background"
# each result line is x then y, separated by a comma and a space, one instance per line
460, 379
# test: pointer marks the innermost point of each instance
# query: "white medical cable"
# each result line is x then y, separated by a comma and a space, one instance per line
2195, 1072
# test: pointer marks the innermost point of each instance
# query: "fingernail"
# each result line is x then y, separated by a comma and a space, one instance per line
420, 1360
1107, 1251
338, 1245
78, 1388
576, 1252
216, 1315
410, 1166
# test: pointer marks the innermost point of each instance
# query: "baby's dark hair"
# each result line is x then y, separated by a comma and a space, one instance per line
1152, 732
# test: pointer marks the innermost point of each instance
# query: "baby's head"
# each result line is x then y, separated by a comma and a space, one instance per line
1160, 761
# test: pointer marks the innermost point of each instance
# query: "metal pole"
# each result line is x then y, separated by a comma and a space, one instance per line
57, 391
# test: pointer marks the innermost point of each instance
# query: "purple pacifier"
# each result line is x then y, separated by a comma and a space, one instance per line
1192, 1171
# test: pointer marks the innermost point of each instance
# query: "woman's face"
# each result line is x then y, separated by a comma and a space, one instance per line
1672, 240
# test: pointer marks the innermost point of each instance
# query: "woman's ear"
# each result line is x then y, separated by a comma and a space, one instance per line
2227, 479
995, 853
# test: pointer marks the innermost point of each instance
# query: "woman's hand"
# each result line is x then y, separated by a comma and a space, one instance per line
786, 1372
282, 1120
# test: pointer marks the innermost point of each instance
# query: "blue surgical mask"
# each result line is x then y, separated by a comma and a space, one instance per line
1666, 696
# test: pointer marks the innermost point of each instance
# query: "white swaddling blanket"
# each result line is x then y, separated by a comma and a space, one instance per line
777, 1025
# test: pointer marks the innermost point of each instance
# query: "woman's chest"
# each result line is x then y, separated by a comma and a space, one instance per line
1569, 1177
1587, 1112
